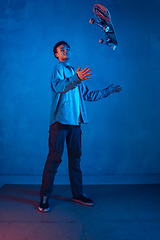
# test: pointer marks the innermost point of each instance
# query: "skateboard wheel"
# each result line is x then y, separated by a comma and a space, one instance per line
106, 29
101, 41
113, 47
91, 21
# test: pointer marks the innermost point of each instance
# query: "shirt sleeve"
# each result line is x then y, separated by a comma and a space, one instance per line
62, 84
89, 95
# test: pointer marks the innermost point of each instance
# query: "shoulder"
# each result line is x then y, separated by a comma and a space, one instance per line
58, 68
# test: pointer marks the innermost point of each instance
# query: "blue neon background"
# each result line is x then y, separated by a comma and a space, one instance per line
123, 133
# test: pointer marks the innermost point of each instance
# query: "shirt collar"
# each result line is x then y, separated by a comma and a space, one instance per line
65, 64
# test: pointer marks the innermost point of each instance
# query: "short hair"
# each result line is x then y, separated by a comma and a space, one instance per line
57, 45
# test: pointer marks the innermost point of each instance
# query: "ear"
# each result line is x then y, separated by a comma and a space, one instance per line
56, 54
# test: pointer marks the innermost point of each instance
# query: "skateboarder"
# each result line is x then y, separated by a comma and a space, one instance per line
67, 114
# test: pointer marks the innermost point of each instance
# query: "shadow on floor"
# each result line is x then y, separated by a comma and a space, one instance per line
121, 212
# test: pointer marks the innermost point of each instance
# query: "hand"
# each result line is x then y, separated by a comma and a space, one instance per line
114, 89
84, 74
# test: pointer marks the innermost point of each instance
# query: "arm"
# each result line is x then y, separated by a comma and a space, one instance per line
94, 95
61, 84
99, 94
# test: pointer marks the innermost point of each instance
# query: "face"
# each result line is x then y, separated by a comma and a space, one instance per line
63, 53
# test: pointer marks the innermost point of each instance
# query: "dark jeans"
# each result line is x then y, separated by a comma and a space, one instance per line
58, 133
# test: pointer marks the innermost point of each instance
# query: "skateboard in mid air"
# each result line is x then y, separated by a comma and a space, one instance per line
104, 22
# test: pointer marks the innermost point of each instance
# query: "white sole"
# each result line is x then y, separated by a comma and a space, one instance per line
43, 210
83, 203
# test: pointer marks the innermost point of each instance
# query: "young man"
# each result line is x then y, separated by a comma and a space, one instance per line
67, 114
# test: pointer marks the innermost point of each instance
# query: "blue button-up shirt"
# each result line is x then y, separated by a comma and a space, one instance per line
68, 95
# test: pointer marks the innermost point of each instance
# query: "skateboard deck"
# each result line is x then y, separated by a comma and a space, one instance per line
104, 22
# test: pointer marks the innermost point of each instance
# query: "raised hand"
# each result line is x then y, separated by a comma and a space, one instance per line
84, 74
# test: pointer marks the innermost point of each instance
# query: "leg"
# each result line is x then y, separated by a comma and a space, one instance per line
74, 156
57, 136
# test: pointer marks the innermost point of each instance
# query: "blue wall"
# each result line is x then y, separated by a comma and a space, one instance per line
123, 133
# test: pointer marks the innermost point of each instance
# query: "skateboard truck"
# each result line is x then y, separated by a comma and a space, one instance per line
105, 29
107, 43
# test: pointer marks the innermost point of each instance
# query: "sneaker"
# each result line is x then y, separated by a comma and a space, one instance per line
83, 199
44, 206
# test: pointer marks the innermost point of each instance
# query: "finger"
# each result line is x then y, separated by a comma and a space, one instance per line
118, 90
110, 85
79, 68
88, 74
85, 69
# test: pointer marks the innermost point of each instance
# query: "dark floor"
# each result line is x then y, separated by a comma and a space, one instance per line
121, 212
